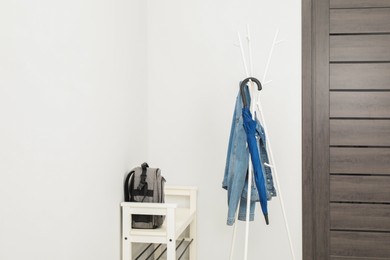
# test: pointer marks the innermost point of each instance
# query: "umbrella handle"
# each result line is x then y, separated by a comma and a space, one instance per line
243, 84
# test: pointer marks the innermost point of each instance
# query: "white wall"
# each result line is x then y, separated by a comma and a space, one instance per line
77, 93
72, 109
193, 74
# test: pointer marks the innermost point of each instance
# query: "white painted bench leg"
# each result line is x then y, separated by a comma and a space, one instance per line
194, 243
171, 250
126, 228
193, 226
171, 241
126, 250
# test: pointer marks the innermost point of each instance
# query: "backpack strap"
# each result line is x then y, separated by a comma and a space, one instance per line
126, 187
142, 183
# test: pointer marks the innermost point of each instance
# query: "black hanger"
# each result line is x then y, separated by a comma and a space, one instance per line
243, 84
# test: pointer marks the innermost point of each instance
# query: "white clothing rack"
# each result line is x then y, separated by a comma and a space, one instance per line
257, 106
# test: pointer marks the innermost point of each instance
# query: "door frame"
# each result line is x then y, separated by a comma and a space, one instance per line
315, 130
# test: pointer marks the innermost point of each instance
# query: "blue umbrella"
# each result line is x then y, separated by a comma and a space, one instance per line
250, 130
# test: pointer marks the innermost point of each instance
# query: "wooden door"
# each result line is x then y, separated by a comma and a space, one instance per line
346, 129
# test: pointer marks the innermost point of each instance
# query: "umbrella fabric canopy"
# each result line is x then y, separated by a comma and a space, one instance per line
250, 130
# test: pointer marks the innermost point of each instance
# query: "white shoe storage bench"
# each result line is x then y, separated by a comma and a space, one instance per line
180, 212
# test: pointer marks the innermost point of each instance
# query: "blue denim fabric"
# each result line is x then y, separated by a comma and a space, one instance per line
235, 178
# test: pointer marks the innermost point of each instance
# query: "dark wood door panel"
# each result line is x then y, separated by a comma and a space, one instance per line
360, 189
360, 132
370, 20
360, 244
359, 48
372, 217
358, 3
346, 109
362, 76
352, 160
315, 165
360, 104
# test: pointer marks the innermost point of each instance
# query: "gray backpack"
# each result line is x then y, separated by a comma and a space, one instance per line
144, 184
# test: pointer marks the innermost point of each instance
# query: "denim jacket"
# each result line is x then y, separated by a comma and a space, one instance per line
235, 178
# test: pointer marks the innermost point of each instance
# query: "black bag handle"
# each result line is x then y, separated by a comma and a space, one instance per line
144, 167
126, 187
